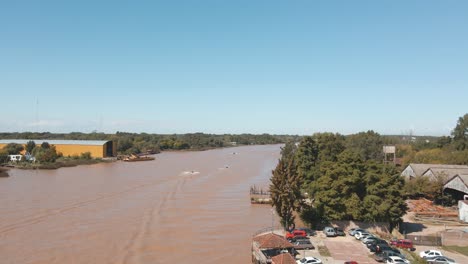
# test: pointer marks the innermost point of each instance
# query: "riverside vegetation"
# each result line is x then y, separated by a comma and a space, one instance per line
344, 178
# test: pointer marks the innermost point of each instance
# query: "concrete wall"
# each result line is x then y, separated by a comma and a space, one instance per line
463, 211
458, 238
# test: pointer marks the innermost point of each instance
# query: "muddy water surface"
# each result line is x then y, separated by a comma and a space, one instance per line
190, 207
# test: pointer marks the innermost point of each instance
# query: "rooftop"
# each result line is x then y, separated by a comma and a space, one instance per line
272, 240
420, 168
56, 142
284, 258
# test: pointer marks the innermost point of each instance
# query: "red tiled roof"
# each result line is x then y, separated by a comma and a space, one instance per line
271, 240
284, 258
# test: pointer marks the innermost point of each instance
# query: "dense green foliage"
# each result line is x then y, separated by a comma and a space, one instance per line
343, 177
45, 153
13, 149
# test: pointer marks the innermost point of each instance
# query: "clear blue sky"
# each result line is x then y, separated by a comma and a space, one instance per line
285, 67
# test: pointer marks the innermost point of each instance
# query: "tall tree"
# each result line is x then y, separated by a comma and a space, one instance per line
306, 159
285, 191
460, 133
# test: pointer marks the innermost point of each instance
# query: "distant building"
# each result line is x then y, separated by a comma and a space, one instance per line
458, 186
414, 170
97, 148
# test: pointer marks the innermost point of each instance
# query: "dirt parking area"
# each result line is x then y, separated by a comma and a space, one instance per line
348, 248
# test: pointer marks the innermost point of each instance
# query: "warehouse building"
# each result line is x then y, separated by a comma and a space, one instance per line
97, 148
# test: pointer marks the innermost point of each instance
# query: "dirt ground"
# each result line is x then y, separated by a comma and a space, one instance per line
343, 249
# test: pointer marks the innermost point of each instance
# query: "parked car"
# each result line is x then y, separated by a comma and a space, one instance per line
295, 233
361, 234
397, 260
402, 243
375, 242
384, 247
368, 239
309, 260
308, 231
378, 247
351, 262
353, 231
430, 253
339, 232
440, 260
303, 244
382, 256
329, 231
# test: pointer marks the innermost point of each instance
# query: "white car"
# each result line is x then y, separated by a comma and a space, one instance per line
430, 253
309, 260
368, 239
360, 235
397, 260
440, 260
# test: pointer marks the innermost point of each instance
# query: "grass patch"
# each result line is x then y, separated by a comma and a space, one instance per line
323, 251
461, 250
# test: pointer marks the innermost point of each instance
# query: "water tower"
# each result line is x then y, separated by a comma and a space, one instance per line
389, 150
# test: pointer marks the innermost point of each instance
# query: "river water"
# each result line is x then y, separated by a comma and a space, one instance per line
183, 207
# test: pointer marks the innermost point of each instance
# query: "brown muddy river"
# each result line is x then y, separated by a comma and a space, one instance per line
140, 212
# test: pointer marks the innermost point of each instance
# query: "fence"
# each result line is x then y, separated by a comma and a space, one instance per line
425, 240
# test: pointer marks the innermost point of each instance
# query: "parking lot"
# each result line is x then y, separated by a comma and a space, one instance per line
348, 248
341, 249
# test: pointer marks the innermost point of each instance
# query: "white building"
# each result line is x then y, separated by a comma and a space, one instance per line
15, 158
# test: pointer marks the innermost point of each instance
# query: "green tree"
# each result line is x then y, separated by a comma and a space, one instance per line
339, 186
13, 148
30, 145
329, 146
285, 191
460, 133
367, 144
45, 155
306, 159
45, 145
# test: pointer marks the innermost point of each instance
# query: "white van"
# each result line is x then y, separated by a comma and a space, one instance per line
329, 231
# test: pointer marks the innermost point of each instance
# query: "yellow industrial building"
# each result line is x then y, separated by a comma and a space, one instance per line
97, 148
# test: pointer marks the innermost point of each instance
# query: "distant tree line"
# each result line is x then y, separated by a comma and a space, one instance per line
128, 143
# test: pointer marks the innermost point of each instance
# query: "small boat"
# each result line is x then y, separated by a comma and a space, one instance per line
134, 157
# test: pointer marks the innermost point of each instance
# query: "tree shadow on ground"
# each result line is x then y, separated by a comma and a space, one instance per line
407, 227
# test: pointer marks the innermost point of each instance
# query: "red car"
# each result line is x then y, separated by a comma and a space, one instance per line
402, 243
295, 233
